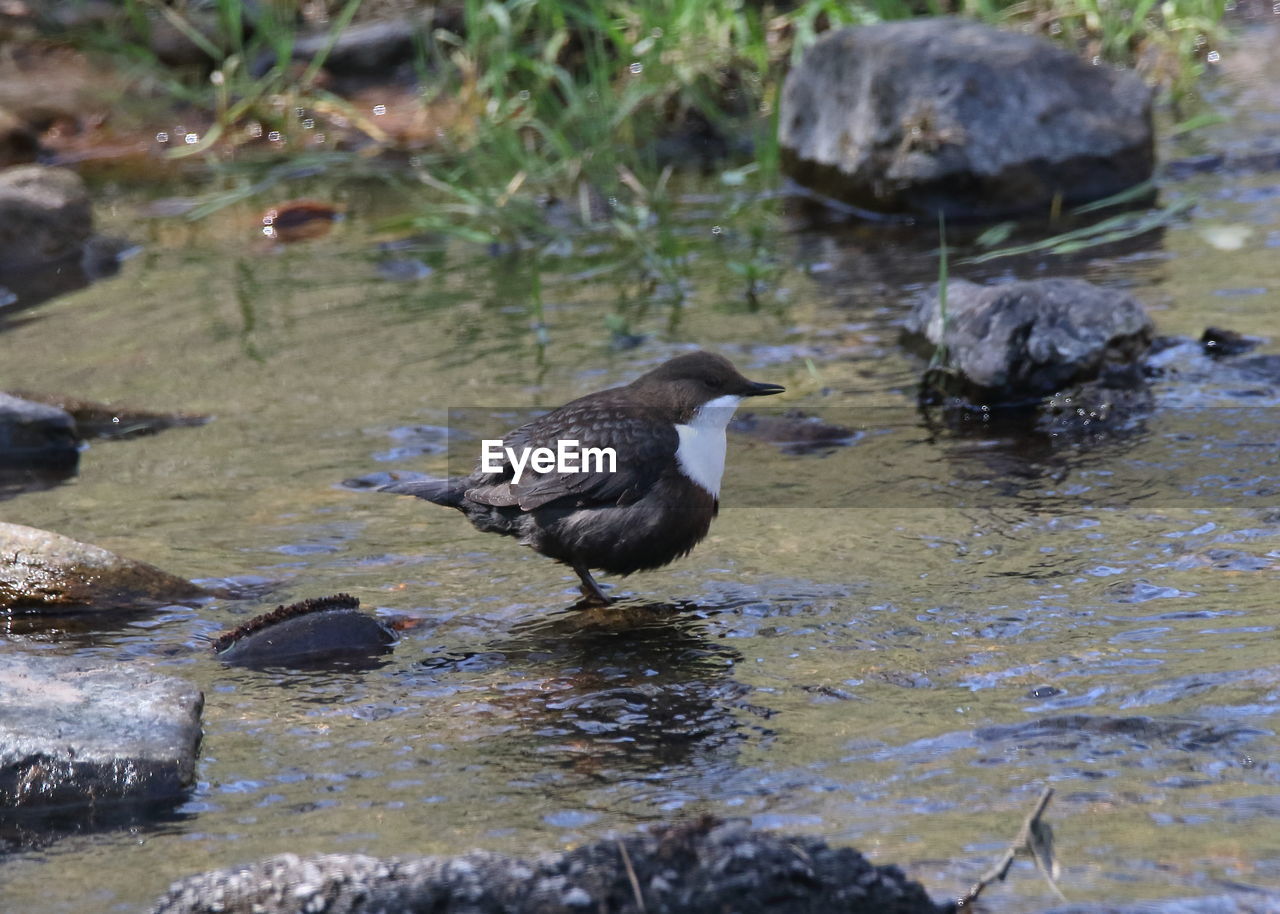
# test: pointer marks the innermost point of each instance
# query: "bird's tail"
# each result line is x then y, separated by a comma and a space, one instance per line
447, 492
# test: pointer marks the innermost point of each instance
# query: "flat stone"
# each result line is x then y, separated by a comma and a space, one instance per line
42, 571
953, 116
73, 732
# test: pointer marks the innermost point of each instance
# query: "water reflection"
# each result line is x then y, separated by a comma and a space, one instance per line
18, 480
25, 829
31, 285
629, 690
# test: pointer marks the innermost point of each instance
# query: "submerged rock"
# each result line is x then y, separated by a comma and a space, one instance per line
692, 868
952, 116
103, 420
1219, 341
1021, 341
45, 215
795, 431
46, 572
72, 734
36, 435
312, 631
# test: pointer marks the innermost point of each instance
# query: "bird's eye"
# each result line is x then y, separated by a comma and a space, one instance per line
714, 383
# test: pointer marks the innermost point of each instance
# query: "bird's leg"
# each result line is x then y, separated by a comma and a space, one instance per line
590, 589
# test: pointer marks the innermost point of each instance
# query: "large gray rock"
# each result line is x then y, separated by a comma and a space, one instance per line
949, 115
74, 734
45, 215
46, 572
1027, 340
36, 435
694, 868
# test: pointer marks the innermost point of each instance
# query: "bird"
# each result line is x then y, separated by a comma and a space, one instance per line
652, 506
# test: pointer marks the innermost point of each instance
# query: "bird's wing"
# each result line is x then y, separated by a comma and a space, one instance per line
642, 443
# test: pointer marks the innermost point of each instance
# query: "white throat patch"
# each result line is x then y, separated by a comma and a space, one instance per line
702, 443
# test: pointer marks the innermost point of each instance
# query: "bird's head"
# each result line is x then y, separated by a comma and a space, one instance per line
688, 383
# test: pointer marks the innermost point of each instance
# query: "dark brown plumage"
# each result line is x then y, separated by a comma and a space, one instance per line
667, 429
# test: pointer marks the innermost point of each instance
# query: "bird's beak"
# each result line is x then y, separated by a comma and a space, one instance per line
762, 389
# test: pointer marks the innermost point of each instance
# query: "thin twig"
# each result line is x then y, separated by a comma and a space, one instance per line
1021, 843
631, 875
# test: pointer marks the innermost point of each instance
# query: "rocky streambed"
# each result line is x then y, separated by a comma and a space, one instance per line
900, 629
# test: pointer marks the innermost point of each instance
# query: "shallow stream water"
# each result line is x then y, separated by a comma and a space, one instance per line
895, 643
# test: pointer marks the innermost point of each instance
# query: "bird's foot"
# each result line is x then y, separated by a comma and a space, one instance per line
592, 595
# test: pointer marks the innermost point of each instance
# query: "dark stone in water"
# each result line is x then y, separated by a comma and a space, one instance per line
1218, 342
377, 480
312, 631
1071, 730
796, 431
103, 420
952, 116
693, 868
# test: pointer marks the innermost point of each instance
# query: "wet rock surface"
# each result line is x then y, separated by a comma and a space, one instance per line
311, 632
44, 215
74, 733
683, 869
945, 115
1020, 341
47, 572
1200, 375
